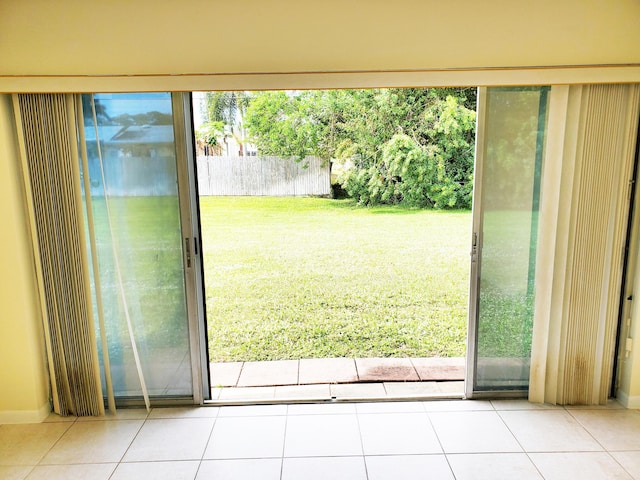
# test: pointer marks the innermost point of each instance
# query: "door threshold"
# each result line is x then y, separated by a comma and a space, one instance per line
338, 393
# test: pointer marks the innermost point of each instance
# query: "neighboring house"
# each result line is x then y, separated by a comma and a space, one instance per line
156, 46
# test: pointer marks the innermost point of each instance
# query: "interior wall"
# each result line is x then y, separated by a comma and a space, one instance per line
23, 378
198, 44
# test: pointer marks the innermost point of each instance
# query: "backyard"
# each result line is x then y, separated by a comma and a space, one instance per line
290, 278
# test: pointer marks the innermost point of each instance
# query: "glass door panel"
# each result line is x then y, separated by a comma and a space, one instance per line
132, 169
511, 132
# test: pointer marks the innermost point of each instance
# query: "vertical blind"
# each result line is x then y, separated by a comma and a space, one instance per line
577, 309
48, 132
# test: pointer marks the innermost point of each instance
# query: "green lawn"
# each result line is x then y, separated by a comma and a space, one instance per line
290, 278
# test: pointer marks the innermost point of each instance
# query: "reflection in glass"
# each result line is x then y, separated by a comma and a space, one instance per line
133, 182
512, 160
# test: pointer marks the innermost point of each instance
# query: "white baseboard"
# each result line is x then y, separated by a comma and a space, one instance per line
627, 401
25, 416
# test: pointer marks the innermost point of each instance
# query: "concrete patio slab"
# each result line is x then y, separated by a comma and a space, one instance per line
278, 372
327, 370
386, 369
225, 374
439, 368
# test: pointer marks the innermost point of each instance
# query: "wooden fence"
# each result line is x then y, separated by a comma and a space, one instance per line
262, 176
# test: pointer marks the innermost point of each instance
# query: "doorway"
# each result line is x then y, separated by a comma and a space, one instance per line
330, 292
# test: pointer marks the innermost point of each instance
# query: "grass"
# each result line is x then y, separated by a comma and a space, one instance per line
290, 278
308, 277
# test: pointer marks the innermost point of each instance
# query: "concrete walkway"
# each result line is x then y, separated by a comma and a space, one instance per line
317, 371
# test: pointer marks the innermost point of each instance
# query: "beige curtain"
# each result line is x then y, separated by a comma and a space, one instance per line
47, 130
583, 218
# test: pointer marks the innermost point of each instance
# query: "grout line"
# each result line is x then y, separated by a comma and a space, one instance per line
584, 427
524, 450
69, 425
215, 420
364, 460
130, 443
284, 441
435, 432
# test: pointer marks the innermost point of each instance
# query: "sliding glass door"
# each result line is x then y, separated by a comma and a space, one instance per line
509, 154
144, 244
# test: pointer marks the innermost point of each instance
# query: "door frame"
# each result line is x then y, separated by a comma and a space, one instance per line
191, 245
477, 243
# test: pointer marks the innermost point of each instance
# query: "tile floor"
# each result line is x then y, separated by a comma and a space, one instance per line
453, 439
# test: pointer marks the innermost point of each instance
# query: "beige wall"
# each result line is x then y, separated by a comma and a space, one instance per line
23, 380
197, 44
76, 45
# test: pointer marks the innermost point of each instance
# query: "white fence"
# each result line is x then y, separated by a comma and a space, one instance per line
262, 176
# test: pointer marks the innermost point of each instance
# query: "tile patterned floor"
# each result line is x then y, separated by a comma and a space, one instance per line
435, 440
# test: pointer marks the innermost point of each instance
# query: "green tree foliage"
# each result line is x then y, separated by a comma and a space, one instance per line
223, 116
410, 146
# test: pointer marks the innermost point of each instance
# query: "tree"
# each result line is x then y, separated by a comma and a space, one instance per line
296, 124
379, 131
404, 145
226, 109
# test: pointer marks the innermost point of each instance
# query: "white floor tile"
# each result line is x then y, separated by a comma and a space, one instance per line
390, 407
170, 439
322, 409
549, 431
522, 404
409, 467
185, 470
121, 414
473, 432
457, 405
14, 473
27, 444
248, 469
253, 410
579, 465
184, 412
93, 442
397, 433
96, 471
614, 429
493, 466
322, 435
630, 461
325, 468
247, 437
